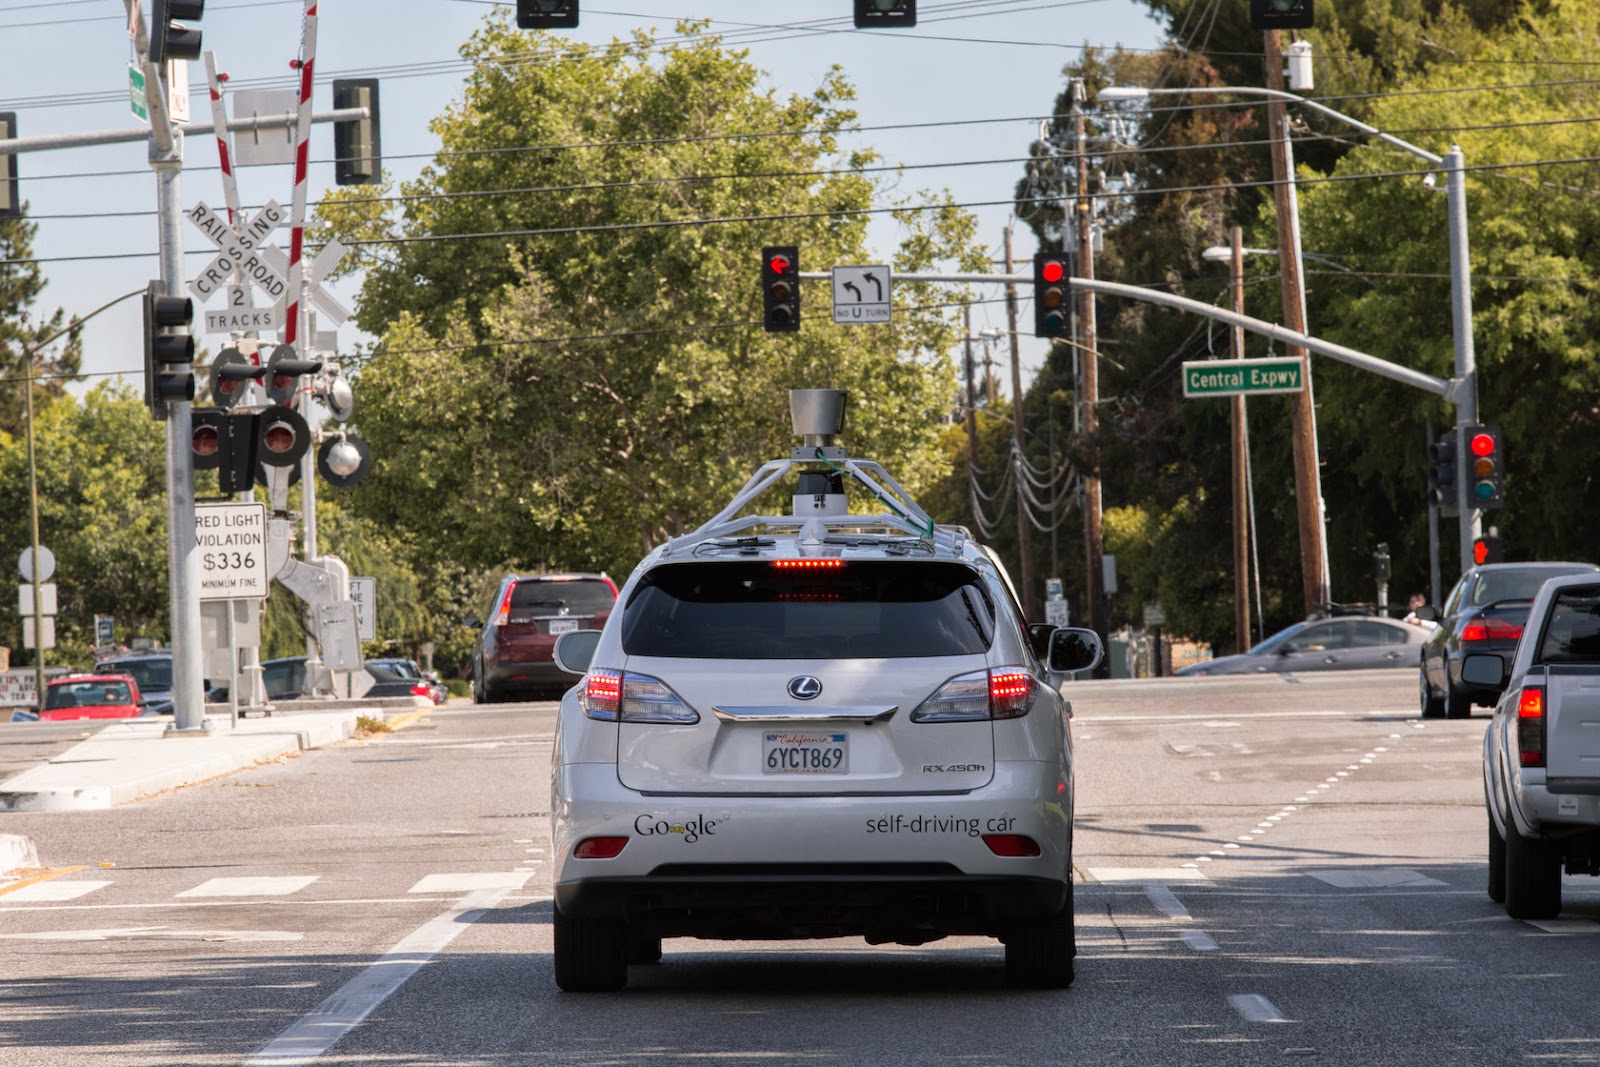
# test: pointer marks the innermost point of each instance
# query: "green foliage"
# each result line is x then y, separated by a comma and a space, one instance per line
596, 379
21, 283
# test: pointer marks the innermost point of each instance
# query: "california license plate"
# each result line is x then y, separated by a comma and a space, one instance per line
805, 752
562, 626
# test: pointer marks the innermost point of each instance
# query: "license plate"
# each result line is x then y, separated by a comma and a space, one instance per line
562, 626
805, 752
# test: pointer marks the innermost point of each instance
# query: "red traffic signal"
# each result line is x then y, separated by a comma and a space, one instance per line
1050, 290
1488, 549
1486, 466
283, 437
780, 288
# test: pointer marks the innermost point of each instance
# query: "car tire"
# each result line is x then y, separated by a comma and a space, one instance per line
1457, 705
643, 950
1039, 953
590, 954
1432, 706
1497, 864
1533, 877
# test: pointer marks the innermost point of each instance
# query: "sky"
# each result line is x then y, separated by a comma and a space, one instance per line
66, 71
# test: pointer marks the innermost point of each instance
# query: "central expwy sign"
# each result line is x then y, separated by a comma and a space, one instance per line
1238, 377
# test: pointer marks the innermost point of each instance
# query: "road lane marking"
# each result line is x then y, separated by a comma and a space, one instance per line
52, 892
1144, 875
157, 933
1167, 902
17, 886
343, 1010
250, 887
467, 882
1198, 940
1373, 878
1255, 1008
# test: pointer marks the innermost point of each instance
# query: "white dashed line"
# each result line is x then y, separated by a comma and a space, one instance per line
1167, 902
1255, 1008
1198, 940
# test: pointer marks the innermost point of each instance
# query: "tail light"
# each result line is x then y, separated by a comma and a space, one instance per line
1001, 693
503, 612
1530, 726
610, 695
420, 690
1490, 629
1011, 844
600, 848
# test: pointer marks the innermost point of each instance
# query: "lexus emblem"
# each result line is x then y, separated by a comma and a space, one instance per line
804, 687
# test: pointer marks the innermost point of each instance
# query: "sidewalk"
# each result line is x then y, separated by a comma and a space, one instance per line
137, 757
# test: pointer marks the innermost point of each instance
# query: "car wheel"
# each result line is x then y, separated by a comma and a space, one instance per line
477, 684
1533, 877
1497, 864
1457, 705
1432, 706
1039, 952
643, 950
590, 954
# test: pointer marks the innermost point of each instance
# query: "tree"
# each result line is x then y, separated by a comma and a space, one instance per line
588, 375
21, 283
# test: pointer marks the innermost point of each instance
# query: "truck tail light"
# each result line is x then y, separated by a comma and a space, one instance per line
1530, 726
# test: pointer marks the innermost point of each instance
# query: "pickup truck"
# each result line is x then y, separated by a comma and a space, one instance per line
1541, 752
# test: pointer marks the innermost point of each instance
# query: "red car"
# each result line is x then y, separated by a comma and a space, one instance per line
91, 696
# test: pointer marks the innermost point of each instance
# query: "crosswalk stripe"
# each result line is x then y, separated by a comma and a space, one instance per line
249, 887
468, 882
53, 891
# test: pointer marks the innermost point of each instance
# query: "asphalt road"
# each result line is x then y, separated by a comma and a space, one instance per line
1271, 870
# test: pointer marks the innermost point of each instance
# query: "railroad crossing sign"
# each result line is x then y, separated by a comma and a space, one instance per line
861, 294
318, 268
1241, 377
239, 249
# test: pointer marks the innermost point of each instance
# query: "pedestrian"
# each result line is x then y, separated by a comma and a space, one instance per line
1418, 600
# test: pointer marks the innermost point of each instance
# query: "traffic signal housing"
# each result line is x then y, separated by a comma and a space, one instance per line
1280, 15
1442, 470
1486, 467
10, 196
780, 288
226, 443
1488, 549
170, 39
168, 350
231, 372
357, 144
547, 14
283, 373
1050, 290
885, 14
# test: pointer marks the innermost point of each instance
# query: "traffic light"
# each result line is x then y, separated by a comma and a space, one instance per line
885, 14
780, 288
357, 146
1488, 549
1280, 15
1442, 470
1486, 463
283, 373
1050, 288
547, 14
168, 349
230, 372
170, 39
10, 197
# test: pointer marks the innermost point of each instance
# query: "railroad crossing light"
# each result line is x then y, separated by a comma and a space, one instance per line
1280, 15
231, 373
885, 14
357, 146
547, 14
335, 391
282, 437
283, 374
10, 197
344, 460
205, 438
168, 350
780, 288
226, 443
1488, 549
1050, 288
170, 39
1486, 464
1442, 470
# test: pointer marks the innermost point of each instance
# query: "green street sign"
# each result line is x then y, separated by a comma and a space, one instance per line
1240, 377
136, 95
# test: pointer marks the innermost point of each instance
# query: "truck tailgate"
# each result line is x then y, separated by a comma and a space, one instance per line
1572, 719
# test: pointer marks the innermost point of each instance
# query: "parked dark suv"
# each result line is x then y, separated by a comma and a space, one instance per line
514, 654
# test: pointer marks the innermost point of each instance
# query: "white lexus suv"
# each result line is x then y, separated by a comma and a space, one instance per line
816, 724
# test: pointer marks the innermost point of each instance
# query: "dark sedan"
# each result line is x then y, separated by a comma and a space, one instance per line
1347, 643
1485, 612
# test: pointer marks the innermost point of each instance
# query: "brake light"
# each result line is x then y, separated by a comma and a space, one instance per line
808, 564
420, 690
1530, 726
1003, 693
1011, 844
611, 695
599, 848
1490, 629
504, 611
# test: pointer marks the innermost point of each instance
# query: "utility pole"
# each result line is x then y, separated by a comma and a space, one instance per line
972, 406
1302, 411
1241, 446
1032, 602
1089, 379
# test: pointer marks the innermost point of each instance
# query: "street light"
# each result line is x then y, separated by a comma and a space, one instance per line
1464, 393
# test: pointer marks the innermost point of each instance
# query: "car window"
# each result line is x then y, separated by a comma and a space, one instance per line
1277, 640
582, 596
1457, 594
1368, 634
1321, 637
1573, 632
87, 694
154, 675
867, 609
1512, 585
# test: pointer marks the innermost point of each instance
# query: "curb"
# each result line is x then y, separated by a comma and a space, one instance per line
16, 852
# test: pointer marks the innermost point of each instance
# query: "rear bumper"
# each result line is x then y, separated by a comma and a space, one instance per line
506, 674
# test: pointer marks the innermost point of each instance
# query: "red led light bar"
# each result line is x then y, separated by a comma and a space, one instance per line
808, 564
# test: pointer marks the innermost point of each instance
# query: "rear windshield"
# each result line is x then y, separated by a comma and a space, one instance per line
1573, 633
581, 596
153, 675
86, 694
1495, 586
753, 610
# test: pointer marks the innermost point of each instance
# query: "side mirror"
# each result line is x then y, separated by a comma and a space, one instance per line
1428, 612
1039, 638
1484, 668
472, 621
574, 650
1073, 648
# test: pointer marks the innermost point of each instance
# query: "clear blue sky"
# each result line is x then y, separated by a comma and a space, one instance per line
66, 71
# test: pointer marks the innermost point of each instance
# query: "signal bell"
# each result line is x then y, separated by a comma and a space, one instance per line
344, 460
